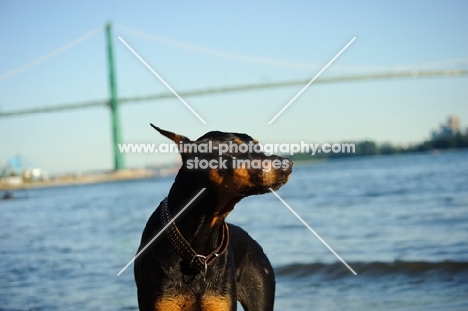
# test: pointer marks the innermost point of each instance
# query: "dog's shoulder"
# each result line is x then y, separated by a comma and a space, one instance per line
245, 247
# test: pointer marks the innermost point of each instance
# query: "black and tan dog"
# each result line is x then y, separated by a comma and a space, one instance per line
200, 262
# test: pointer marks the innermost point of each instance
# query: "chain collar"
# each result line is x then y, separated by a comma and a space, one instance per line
197, 262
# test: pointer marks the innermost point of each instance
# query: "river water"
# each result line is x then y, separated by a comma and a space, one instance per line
401, 222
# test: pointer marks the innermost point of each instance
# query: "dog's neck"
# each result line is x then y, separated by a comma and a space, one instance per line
201, 222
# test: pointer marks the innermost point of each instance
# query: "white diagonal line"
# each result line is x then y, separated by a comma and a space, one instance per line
313, 79
159, 233
50, 55
313, 231
162, 80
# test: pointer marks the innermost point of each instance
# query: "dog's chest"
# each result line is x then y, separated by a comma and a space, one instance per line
187, 303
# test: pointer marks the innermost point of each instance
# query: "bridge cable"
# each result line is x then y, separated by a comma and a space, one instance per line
50, 55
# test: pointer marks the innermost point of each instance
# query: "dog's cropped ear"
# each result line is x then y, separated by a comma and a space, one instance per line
172, 136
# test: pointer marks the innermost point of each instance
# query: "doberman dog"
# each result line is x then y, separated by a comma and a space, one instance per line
200, 262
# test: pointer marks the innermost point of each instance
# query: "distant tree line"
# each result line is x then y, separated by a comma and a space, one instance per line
366, 148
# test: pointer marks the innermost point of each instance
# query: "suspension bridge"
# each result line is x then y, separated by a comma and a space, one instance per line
113, 102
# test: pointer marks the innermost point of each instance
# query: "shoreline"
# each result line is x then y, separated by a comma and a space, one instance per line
135, 174
86, 179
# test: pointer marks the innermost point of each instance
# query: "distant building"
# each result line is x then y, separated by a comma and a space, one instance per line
15, 173
451, 128
35, 174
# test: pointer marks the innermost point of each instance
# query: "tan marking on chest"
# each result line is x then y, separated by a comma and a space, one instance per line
183, 303
216, 303
175, 303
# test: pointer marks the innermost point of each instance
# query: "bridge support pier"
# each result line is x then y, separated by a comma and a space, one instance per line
114, 103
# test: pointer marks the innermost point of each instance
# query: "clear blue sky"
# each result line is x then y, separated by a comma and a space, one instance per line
390, 35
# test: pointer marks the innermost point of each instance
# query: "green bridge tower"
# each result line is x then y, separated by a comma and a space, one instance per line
114, 103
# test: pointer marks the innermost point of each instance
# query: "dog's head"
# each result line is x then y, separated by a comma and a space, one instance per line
232, 163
